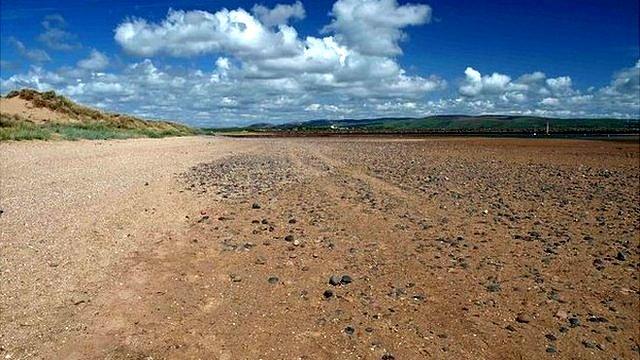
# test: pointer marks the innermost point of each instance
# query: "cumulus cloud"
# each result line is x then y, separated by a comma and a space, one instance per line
55, 36
280, 14
34, 55
268, 49
625, 82
536, 94
374, 27
95, 61
476, 84
189, 33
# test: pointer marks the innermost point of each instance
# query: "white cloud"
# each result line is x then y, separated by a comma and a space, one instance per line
535, 94
625, 82
33, 55
374, 27
277, 56
189, 33
550, 101
476, 84
560, 85
95, 61
55, 36
280, 14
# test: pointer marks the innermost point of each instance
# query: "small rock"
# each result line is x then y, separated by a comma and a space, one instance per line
598, 319
387, 357
345, 280
255, 205
551, 337
349, 330
523, 318
561, 314
551, 349
621, 256
327, 294
296, 242
334, 280
510, 327
574, 322
288, 238
273, 280
493, 287
563, 329
589, 344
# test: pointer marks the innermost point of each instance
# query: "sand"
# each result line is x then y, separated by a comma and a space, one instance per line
205, 247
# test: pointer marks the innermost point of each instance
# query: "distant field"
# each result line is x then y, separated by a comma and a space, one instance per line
456, 124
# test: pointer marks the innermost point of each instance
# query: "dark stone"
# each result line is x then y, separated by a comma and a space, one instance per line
563, 329
255, 206
387, 357
288, 238
510, 327
273, 280
551, 337
334, 280
349, 330
574, 322
621, 256
523, 318
551, 349
493, 287
589, 344
327, 294
346, 279
597, 319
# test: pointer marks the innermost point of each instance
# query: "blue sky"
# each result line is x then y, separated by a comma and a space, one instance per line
220, 63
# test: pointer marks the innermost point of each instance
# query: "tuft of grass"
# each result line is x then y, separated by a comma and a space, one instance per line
14, 128
85, 122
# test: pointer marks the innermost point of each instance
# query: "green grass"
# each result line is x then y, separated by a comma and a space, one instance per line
12, 129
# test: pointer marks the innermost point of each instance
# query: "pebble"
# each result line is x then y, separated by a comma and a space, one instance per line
255, 205
288, 238
349, 330
561, 314
273, 280
493, 287
523, 318
621, 256
345, 280
574, 322
334, 280
327, 294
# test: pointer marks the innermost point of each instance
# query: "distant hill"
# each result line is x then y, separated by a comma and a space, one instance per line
29, 114
459, 123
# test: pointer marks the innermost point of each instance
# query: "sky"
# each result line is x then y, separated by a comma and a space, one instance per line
225, 63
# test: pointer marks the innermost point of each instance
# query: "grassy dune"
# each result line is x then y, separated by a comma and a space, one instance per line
75, 122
